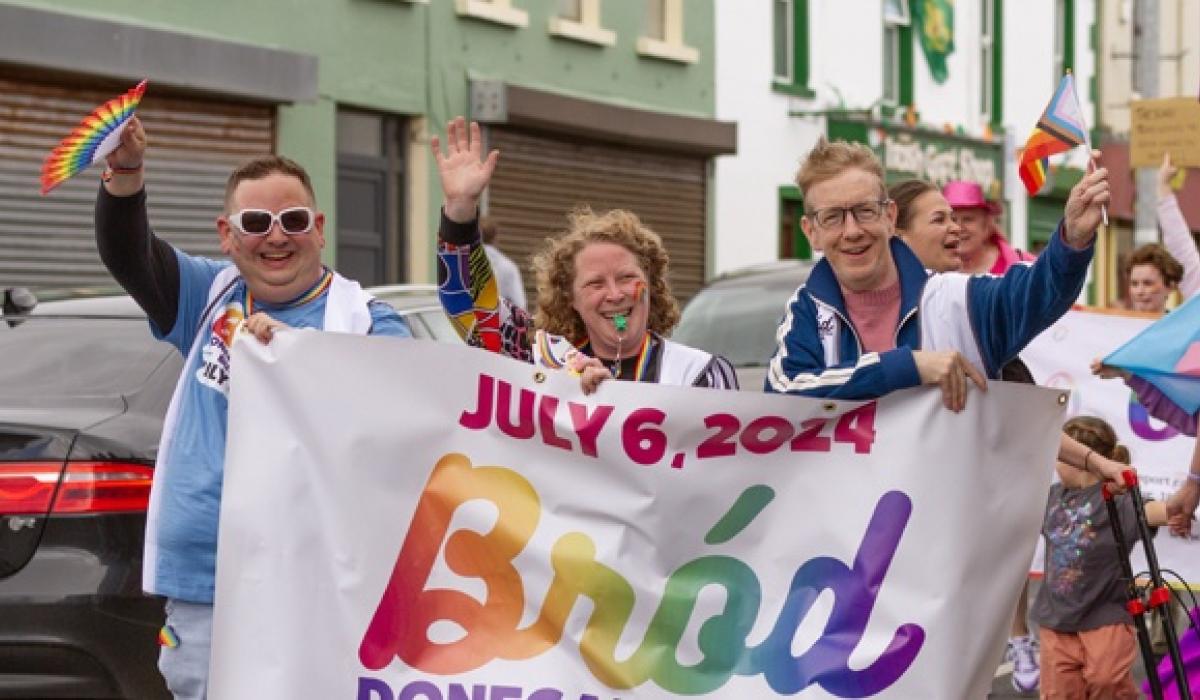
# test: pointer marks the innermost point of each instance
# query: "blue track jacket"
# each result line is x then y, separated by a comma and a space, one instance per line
987, 318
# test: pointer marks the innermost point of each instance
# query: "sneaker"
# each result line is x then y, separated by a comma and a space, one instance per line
1023, 653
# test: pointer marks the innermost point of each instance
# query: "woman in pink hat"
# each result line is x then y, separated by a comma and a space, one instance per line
981, 246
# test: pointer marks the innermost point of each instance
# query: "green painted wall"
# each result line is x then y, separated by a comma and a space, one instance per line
371, 55
531, 56
463, 47
412, 58
294, 129
371, 51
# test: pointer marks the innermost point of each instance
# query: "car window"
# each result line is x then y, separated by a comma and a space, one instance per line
416, 325
51, 356
440, 326
736, 322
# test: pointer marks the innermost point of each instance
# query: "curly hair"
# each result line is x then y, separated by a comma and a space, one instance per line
554, 268
1097, 435
1157, 256
828, 159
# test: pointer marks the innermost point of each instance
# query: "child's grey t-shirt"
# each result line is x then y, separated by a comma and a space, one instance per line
1083, 587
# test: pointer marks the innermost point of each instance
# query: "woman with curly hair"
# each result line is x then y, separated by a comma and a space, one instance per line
604, 304
1153, 275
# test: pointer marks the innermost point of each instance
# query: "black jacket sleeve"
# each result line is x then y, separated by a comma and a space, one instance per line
142, 263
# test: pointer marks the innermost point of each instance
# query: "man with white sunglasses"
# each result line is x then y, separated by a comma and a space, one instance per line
273, 233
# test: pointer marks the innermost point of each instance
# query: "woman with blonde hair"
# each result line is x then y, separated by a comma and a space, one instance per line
604, 304
927, 223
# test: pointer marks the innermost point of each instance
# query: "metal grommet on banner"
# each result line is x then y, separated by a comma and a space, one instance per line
1063, 398
539, 377
829, 406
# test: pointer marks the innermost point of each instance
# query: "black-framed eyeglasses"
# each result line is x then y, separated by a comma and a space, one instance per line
293, 221
835, 217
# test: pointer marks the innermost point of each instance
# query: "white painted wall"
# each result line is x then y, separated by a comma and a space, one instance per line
846, 48
770, 142
1178, 44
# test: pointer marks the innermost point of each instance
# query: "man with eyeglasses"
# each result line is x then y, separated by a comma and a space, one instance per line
871, 319
273, 233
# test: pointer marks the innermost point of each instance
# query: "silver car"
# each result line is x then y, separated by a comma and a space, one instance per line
737, 313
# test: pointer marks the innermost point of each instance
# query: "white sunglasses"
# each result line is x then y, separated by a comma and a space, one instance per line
293, 221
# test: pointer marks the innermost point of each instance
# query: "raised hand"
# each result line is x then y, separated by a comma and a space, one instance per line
1084, 210
951, 370
129, 154
1166, 173
464, 171
125, 161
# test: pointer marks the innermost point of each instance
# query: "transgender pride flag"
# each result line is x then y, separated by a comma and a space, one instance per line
1167, 355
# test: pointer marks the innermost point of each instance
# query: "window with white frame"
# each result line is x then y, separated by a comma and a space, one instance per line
498, 11
987, 59
580, 20
895, 17
785, 40
789, 72
1064, 37
662, 32
1060, 12
571, 10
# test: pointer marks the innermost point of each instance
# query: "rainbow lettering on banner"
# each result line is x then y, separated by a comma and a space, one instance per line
95, 137
401, 623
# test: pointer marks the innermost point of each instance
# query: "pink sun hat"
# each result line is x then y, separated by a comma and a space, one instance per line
964, 194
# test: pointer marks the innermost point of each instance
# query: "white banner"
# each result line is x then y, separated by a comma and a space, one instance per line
410, 521
1061, 358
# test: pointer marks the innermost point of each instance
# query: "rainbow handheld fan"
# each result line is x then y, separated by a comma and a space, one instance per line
96, 136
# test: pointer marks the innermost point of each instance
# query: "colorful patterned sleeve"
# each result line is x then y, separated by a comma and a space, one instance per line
470, 295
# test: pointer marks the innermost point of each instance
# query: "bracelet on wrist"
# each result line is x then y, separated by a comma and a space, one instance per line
1193, 477
110, 171
1087, 467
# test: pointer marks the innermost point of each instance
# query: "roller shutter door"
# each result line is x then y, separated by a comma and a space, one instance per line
543, 176
49, 242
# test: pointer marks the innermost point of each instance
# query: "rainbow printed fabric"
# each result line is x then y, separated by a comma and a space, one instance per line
1060, 129
96, 136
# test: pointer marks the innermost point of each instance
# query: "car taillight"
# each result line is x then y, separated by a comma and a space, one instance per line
28, 488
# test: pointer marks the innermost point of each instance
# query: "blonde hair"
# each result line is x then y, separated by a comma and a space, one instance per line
1096, 434
554, 270
828, 159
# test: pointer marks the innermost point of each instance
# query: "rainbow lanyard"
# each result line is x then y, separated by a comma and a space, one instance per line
317, 290
643, 361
